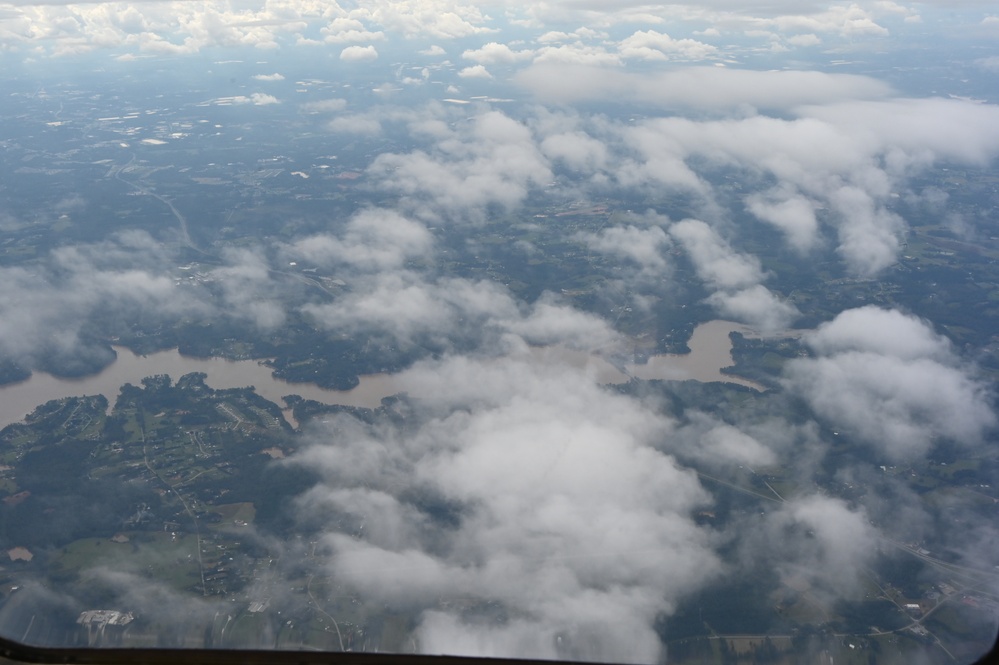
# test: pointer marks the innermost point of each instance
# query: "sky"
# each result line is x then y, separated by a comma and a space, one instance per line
576, 504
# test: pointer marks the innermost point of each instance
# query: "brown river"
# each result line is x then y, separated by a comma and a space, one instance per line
710, 346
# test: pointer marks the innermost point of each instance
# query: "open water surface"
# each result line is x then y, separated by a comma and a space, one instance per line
710, 346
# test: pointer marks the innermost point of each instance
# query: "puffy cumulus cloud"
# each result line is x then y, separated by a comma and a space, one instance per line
359, 54
248, 291
707, 441
157, 27
576, 54
789, 211
256, 99
715, 260
579, 34
269, 77
836, 165
374, 239
410, 308
475, 72
731, 444
657, 164
757, 306
882, 331
492, 160
652, 45
821, 160
846, 159
735, 276
261, 99
395, 304
560, 513
188, 27
577, 150
845, 20
644, 247
807, 39
550, 322
495, 53
346, 30
817, 540
49, 314
435, 19
889, 380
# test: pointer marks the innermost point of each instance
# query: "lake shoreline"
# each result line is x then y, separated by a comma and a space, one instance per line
710, 344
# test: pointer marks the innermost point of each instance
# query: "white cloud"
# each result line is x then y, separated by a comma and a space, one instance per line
47, 311
493, 161
412, 308
540, 465
475, 72
889, 380
552, 323
735, 277
346, 30
538, 462
494, 53
719, 445
374, 239
846, 159
577, 150
397, 304
261, 99
807, 39
818, 539
652, 45
756, 306
576, 54
434, 19
845, 20
190, 27
713, 258
257, 99
790, 212
359, 54
577, 35
248, 291
881, 331
645, 247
